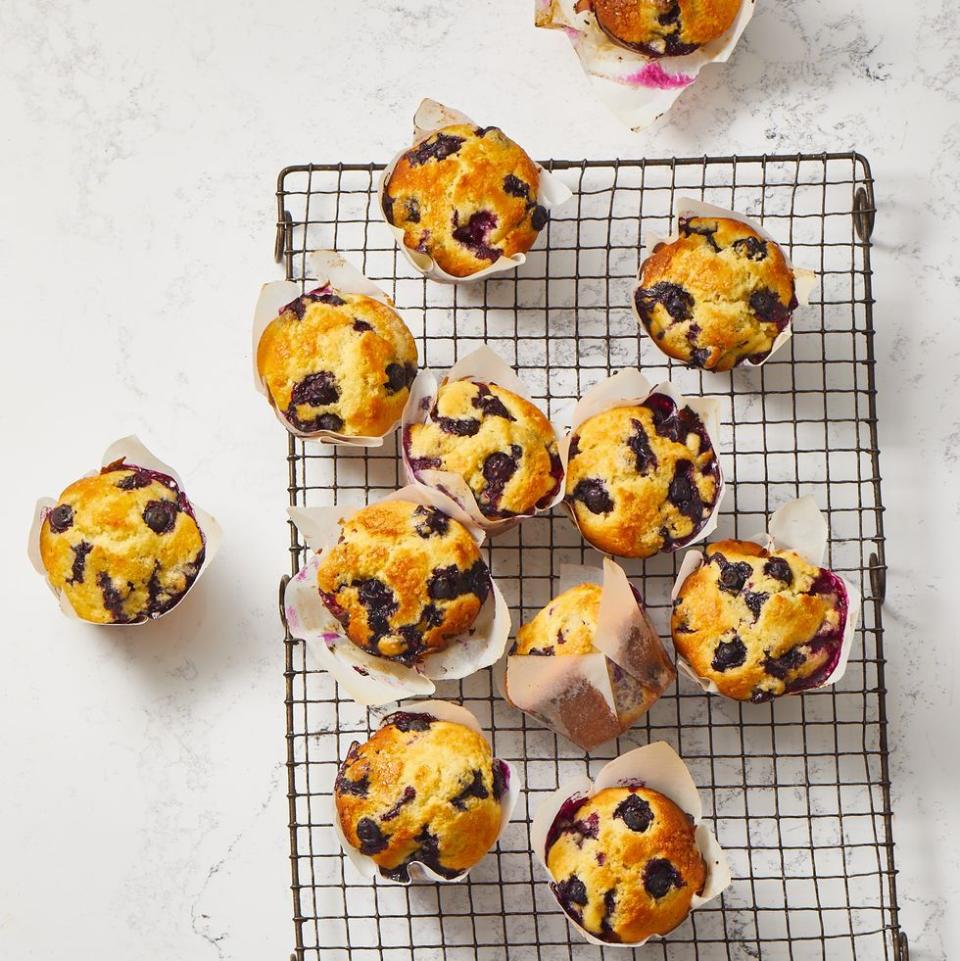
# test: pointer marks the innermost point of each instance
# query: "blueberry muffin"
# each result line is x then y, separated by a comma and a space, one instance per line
625, 863
421, 789
716, 296
502, 446
403, 580
465, 196
566, 626
662, 28
759, 623
339, 362
643, 478
122, 545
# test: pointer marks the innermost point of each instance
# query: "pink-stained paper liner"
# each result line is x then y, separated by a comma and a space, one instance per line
482, 366
638, 89
131, 451
658, 767
799, 525
804, 281
329, 269
429, 118
630, 387
368, 679
573, 695
443, 711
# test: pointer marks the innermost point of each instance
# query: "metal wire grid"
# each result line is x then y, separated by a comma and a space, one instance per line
797, 789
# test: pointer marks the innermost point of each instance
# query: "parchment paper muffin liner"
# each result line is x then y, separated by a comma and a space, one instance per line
638, 89
133, 453
627, 388
658, 767
443, 711
480, 366
330, 270
573, 694
428, 119
798, 525
804, 281
368, 679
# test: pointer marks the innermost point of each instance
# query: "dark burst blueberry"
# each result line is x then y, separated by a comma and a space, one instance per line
701, 230
767, 307
60, 518
80, 552
585, 828
666, 418
440, 147
296, 307
670, 15
448, 583
408, 795
753, 248
413, 210
571, 891
361, 325
754, 601
399, 377
592, 493
315, 390
324, 295
574, 447
515, 186
497, 469
733, 576
327, 422
112, 598
609, 908
413, 641
380, 604
778, 569
729, 654
388, 205
639, 443
475, 788
473, 234
423, 244
779, 667
539, 217
409, 721
424, 463
491, 405
483, 131
699, 356
683, 493
675, 47
635, 812
466, 427
501, 779
134, 481
372, 839
161, 516
676, 301
659, 876
358, 788
430, 522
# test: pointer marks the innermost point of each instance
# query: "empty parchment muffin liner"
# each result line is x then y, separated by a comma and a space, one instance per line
799, 525
638, 89
330, 270
132, 453
443, 711
804, 281
428, 119
368, 679
573, 694
658, 767
626, 389
480, 366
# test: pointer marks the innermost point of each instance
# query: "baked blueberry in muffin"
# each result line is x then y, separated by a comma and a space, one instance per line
338, 362
421, 789
624, 863
662, 28
123, 545
465, 196
717, 295
643, 478
759, 623
502, 446
403, 580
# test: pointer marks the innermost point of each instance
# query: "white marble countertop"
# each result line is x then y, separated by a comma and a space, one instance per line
143, 810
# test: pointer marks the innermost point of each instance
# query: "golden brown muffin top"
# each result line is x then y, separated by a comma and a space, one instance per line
465, 196
502, 446
759, 623
123, 545
641, 478
421, 789
404, 579
566, 626
717, 295
625, 863
339, 362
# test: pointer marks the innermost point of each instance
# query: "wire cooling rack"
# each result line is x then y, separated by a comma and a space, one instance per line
797, 789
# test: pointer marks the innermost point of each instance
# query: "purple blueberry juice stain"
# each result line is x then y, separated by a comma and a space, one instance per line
676, 301
474, 233
438, 147
80, 552
639, 443
593, 494
60, 518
